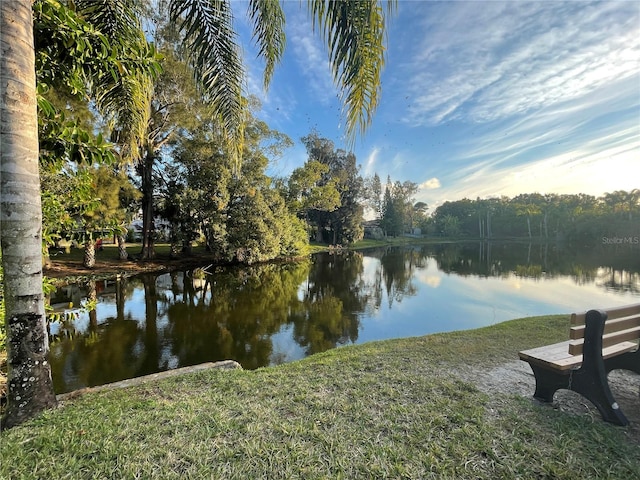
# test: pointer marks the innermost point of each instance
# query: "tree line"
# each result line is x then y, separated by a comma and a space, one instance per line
575, 219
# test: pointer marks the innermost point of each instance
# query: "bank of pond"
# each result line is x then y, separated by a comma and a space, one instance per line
276, 313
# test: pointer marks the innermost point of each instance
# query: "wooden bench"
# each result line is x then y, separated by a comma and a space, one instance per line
600, 341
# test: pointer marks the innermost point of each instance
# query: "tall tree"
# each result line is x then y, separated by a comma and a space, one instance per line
388, 213
30, 387
339, 174
92, 62
354, 32
374, 195
398, 211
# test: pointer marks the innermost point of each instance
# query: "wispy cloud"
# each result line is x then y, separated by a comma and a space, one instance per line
370, 164
310, 56
561, 173
484, 61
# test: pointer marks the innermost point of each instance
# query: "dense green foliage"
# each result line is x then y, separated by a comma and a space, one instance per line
85, 66
328, 192
577, 219
240, 214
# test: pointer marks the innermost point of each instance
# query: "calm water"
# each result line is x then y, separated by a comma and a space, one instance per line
272, 314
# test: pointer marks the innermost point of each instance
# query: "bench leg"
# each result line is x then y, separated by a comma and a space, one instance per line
591, 379
548, 382
595, 388
584, 381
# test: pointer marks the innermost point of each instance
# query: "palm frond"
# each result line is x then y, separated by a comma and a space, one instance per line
122, 90
127, 103
114, 18
268, 32
355, 35
218, 68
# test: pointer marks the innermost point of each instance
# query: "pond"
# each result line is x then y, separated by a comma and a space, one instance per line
276, 313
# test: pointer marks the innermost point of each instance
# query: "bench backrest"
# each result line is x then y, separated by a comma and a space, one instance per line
622, 325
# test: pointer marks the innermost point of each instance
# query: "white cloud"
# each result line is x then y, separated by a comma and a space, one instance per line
370, 164
430, 184
311, 57
484, 61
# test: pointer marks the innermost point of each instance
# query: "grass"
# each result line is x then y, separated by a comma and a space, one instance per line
392, 409
110, 252
406, 240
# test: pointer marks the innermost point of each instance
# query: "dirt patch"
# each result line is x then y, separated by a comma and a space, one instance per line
516, 378
71, 270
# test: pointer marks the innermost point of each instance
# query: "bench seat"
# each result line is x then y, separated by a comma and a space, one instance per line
557, 356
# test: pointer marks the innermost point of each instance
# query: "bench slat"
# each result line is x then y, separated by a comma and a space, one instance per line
577, 331
612, 313
630, 334
557, 356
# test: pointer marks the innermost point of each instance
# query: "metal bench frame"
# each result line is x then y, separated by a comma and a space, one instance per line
587, 375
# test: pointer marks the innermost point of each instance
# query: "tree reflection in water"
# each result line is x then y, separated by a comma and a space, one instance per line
152, 323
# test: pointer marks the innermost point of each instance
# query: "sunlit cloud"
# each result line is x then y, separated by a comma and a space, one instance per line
567, 173
430, 184
370, 164
531, 57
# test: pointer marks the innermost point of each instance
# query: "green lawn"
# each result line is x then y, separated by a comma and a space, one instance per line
109, 252
392, 409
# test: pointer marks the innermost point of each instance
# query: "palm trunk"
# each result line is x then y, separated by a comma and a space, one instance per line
89, 260
122, 247
30, 388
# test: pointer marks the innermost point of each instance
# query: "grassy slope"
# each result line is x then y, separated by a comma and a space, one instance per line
393, 409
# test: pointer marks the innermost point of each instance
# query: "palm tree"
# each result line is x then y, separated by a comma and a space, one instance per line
354, 32
30, 388
29, 376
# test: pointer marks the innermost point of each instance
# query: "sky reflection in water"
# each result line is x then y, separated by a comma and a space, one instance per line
279, 313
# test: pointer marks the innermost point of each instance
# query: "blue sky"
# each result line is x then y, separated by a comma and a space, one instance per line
479, 99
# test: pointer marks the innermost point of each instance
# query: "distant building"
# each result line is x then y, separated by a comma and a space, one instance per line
372, 230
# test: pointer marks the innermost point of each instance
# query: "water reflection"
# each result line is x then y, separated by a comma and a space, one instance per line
276, 313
